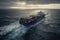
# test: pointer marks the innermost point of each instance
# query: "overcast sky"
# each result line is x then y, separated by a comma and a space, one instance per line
34, 1
13, 3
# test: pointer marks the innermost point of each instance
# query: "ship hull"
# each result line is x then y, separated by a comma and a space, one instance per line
33, 22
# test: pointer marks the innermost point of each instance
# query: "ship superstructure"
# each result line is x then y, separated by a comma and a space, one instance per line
32, 19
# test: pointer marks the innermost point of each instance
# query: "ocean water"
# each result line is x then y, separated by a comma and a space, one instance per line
10, 29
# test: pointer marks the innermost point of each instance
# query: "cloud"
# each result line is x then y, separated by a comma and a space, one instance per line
34, 1
49, 6
32, 4
43, 1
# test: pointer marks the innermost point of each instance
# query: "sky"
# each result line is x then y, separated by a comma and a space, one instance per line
30, 4
34, 1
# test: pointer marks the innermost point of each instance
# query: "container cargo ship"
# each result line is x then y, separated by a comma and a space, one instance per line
32, 19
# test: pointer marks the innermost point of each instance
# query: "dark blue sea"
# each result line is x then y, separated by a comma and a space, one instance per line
48, 29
